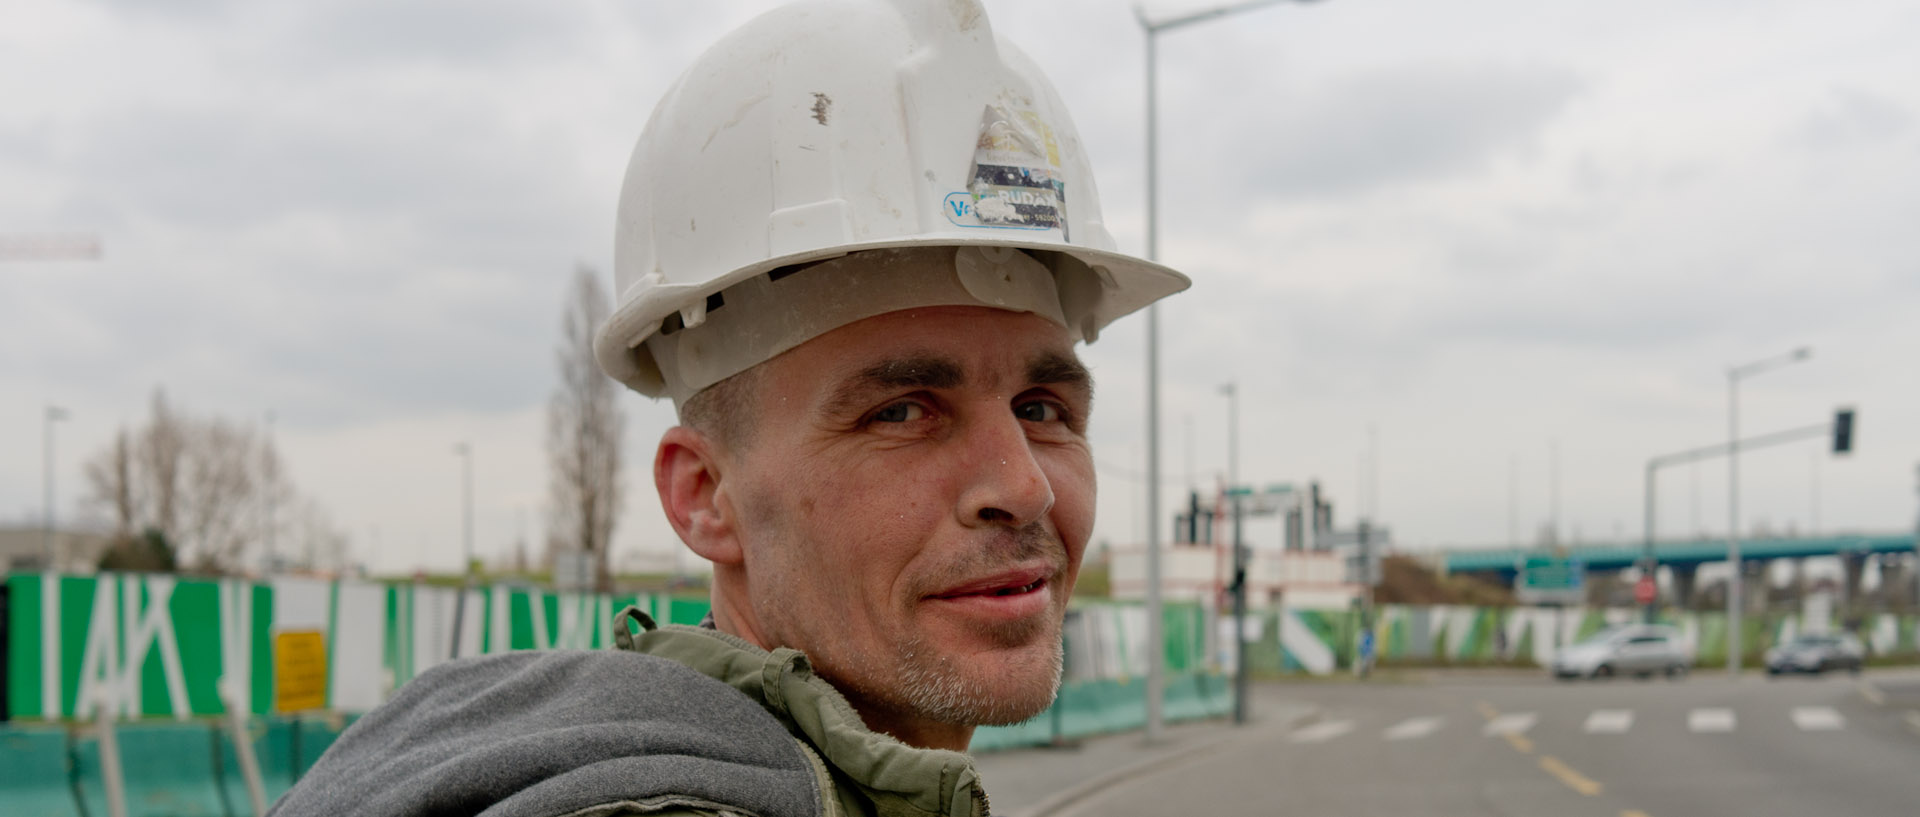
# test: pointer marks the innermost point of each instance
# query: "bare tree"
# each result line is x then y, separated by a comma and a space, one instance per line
317, 543
584, 431
110, 483
162, 444
218, 494
194, 483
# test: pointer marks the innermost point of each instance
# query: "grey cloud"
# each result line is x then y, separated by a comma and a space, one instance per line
173, 10
225, 167
1402, 123
1850, 117
371, 34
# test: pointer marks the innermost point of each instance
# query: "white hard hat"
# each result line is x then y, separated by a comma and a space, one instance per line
832, 128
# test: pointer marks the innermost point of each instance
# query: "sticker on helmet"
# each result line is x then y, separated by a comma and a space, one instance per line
1015, 181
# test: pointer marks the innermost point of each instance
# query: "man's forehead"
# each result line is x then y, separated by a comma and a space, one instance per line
942, 347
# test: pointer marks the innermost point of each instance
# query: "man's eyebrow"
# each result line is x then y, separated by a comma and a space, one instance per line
1054, 368
921, 371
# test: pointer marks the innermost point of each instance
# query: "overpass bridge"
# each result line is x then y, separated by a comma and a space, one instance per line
1683, 559
1681, 555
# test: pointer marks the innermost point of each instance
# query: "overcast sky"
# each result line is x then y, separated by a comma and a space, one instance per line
1485, 228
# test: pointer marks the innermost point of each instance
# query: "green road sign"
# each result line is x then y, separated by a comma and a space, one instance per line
1547, 579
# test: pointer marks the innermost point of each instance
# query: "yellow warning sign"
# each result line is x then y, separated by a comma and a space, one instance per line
299, 671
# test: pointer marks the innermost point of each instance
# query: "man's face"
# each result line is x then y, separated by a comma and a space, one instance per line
913, 505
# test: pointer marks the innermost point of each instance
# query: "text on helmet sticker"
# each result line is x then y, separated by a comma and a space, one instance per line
1015, 181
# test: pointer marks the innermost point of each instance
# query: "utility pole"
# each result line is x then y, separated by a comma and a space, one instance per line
1735, 579
1156, 681
1234, 495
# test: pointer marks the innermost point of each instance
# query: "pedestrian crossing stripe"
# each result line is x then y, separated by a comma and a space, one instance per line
1817, 718
1702, 720
1710, 720
1608, 721
1412, 728
1323, 731
1516, 723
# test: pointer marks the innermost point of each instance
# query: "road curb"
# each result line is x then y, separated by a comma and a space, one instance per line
1070, 797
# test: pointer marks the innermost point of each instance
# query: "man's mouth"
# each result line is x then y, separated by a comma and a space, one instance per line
1010, 583
1025, 588
1022, 595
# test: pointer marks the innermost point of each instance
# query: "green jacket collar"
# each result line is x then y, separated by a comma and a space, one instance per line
898, 780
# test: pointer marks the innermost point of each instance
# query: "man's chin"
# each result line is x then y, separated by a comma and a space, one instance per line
994, 687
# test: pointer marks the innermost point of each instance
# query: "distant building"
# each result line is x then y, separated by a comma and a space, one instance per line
1302, 579
23, 549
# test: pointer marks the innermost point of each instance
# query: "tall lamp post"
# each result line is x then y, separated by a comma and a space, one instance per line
54, 414
1234, 495
1734, 375
465, 452
1156, 681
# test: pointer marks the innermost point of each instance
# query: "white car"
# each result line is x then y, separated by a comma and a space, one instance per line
1632, 649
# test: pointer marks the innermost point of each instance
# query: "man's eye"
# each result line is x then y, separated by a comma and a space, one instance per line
1038, 411
900, 413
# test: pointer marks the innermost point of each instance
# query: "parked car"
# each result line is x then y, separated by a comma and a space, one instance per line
1634, 649
1816, 653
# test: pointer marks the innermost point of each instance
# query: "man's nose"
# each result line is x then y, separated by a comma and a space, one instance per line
1006, 484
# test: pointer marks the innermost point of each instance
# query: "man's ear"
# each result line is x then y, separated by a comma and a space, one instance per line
687, 471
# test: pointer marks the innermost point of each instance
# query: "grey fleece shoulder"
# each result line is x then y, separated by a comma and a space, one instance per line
542, 734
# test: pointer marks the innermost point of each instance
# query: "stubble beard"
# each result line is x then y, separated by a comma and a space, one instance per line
933, 686
1016, 682
1022, 673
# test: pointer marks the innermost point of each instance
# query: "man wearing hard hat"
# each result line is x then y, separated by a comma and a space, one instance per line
856, 245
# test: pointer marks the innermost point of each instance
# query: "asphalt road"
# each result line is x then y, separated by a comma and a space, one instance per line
1527, 747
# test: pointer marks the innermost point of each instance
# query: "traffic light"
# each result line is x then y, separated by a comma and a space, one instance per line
1843, 431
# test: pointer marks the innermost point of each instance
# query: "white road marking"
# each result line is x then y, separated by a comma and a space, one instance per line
1412, 728
1913, 719
1872, 693
1710, 720
1516, 723
1817, 718
1609, 721
1321, 732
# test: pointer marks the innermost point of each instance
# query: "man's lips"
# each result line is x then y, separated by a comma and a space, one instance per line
1006, 583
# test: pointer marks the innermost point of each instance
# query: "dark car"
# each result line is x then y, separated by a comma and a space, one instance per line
1816, 653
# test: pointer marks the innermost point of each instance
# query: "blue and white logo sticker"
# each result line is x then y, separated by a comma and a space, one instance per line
1015, 182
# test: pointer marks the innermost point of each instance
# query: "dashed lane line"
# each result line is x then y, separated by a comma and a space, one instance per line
1574, 780
1609, 721
1513, 727
1817, 719
1913, 719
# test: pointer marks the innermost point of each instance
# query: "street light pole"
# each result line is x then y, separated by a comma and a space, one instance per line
1156, 678
1736, 579
465, 452
1239, 555
1156, 681
54, 414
